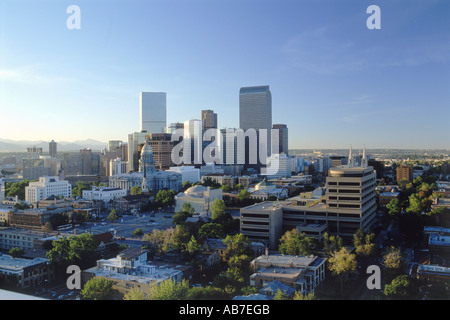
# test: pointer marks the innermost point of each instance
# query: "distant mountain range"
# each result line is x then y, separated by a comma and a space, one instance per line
62, 146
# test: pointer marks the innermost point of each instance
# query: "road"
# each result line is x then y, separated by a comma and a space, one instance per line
126, 224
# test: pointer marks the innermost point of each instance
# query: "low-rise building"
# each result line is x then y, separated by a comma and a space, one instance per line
302, 273
22, 273
130, 269
200, 198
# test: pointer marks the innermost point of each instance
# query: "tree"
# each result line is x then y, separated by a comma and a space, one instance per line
170, 290
193, 246
98, 288
13, 189
332, 244
16, 252
394, 207
211, 230
165, 198
21, 205
299, 296
341, 264
364, 245
77, 191
280, 295
218, 210
293, 243
160, 241
80, 250
238, 244
398, 288
113, 216
136, 190
134, 294
393, 260
244, 197
186, 211
138, 232
415, 205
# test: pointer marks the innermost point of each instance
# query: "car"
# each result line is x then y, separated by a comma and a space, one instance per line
104, 223
61, 296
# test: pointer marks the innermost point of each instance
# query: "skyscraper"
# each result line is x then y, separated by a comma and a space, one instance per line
283, 139
52, 149
209, 119
153, 111
255, 112
255, 108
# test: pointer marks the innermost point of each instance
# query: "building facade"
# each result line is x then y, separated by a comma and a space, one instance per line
153, 111
46, 187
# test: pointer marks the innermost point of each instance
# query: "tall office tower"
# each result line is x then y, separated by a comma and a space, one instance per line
193, 137
255, 112
209, 119
162, 150
153, 111
83, 163
52, 149
350, 199
134, 140
283, 141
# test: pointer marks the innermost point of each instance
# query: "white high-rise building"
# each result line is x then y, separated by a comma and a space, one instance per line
47, 186
153, 111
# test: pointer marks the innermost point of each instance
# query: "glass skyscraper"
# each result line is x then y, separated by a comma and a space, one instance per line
255, 112
153, 111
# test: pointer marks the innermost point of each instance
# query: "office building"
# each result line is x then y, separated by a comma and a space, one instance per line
174, 126
162, 150
209, 119
153, 111
349, 205
46, 187
135, 139
404, 171
255, 112
52, 149
193, 142
283, 139
200, 198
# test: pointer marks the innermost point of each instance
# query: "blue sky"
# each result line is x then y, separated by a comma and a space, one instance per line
334, 82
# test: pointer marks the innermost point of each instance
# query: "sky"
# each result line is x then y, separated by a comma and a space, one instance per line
334, 81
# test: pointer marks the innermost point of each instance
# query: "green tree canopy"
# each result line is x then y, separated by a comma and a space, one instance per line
98, 288
170, 290
218, 210
293, 243
341, 264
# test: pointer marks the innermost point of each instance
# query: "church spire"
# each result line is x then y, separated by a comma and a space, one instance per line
350, 157
364, 158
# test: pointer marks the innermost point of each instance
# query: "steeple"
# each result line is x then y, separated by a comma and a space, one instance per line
350, 157
364, 158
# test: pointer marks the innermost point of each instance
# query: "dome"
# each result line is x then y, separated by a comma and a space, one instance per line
196, 189
265, 185
147, 149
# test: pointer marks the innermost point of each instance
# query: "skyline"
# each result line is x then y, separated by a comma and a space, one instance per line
334, 82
